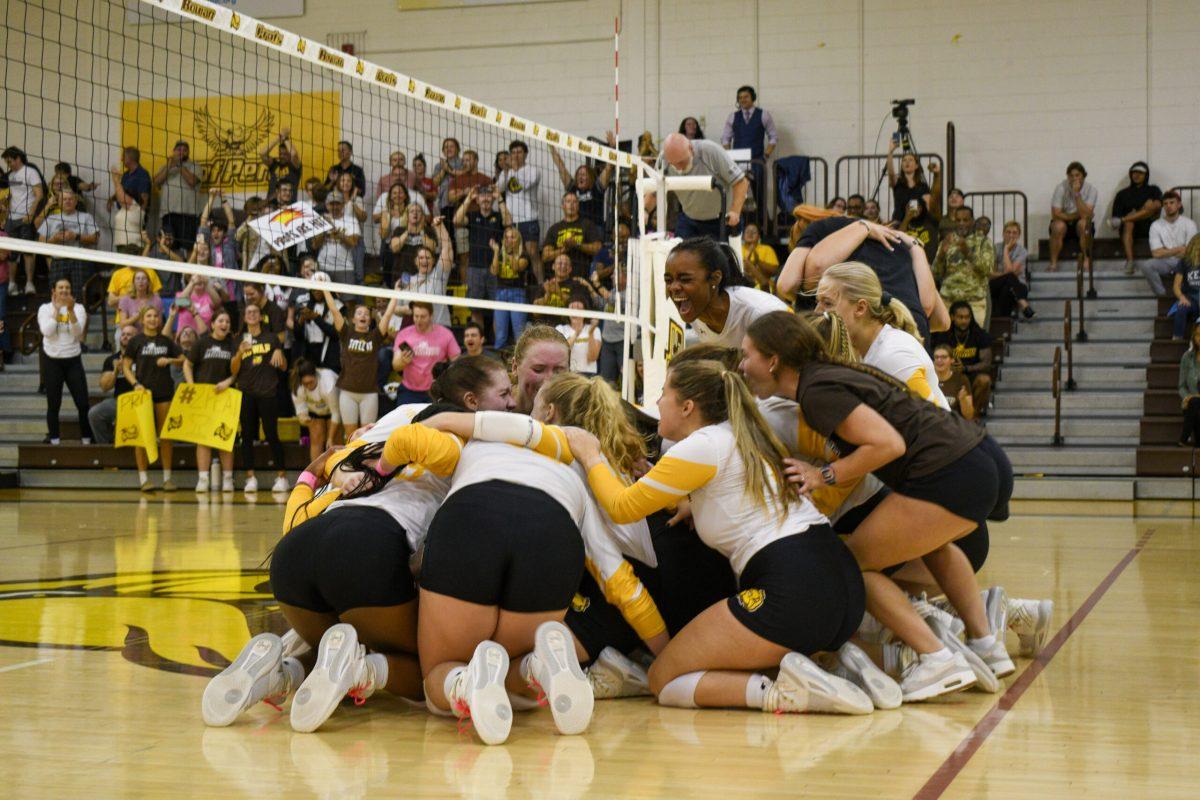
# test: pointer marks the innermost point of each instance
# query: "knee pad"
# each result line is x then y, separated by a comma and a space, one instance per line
681, 692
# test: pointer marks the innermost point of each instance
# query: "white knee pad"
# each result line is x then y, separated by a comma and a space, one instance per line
681, 692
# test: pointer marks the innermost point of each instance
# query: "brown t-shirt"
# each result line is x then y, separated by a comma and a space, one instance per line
952, 386
359, 358
145, 351
933, 438
211, 358
258, 377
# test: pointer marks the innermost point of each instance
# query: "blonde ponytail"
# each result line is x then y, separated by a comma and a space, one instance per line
592, 404
857, 281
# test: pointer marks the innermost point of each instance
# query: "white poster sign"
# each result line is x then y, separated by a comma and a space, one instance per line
290, 225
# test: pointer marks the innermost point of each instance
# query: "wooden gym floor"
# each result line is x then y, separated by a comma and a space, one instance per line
114, 607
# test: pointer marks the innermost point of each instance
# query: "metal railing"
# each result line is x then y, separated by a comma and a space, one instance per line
867, 175
29, 335
1056, 387
97, 285
1066, 345
951, 158
816, 192
1191, 200
1001, 206
1079, 295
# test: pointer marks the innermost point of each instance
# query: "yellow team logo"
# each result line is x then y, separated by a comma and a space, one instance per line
580, 604
751, 599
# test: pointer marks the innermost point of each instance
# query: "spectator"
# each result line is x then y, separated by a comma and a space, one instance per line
964, 262
1169, 237
690, 128
422, 184
954, 385
908, 183
1187, 288
1134, 209
77, 185
449, 165
1071, 211
856, 206
345, 164
1189, 391
837, 204
461, 184
405, 243
354, 207
584, 340
163, 248
316, 191
179, 182
208, 359
983, 226
271, 317
215, 234
612, 334
102, 417
70, 227
433, 271
1009, 283
499, 165
746, 128
588, 187
140, 294
197, 304
361, 339
563, 286
27, 190
147, 365
335, 250
284, 166
510, 267
418, 348
285, 195
397, 173
475, 344
519, 185
128, 219
700, 210
759, 260
311, 325
389, 215
5, 267
482, 224
186, 338
120, 283
62, 323
604, 262
574, 236
135, 180
253, 248
316, 403
972, 349
258, 363
955, 200
918, 223
871, 210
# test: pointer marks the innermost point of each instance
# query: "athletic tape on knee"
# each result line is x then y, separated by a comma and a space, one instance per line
681, 692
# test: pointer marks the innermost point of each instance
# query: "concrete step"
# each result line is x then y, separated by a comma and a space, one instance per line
92, 362
1101, 402
8, 456
26, 382
1045, 328
1051, 308
1081, 427
1071, 455
1090, 352
1030, 376
1059, 488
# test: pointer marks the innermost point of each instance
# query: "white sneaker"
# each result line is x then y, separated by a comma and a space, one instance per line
803, 687
996, 657
856, 666
995, 604
1030, 620
923, 678
985, 678
257, 674
479, 695
554, 670
14, 290
341, 669
202, 483
251, 486
280, 486
613, 675
1115, 223
872, 631
30, 289
293, 645
227, 482
941, 610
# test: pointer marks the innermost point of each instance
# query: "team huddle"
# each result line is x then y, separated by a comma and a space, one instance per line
800, 532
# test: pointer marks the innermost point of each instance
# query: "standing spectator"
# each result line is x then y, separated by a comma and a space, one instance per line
311, 325
433, 271
509, 266
499, 164
316, 403
405, 243
215, 234
700, 211
120, 283
397, 173
461, 199
128, 220
955, 199
102, 417
972, 349
1189, 391
909, 183
918, 223
519, 185
258, 363
418, 348
186, 339
475, 344
563, 286
758, 259
1134, 209
963, 265
147, 365
62, 322
449, 166
748, 127
284, 165
335, 250
27, 189
210, 360
483, 224
72, 228
612, 334
1009, 282
361, 338
954, 385
345, 164
584, 340
76, 183
605, 261
140, 294
271, 317
1169, 237
1071, 211
574, 236
422, 184
390, 214
354, 207
690, 127
179, 183
164, 248
1187, 288
135, 180
197, 304
587, 185
252, 247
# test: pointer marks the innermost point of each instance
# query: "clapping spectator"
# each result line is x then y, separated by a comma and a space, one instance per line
209, 360
361, 337
519, 185
563, 286
399, 229
482, 223
588, 187
72, 228
284, 165
1009, 282
759, 259
509, 267
197, 304
1134, 209
147, 365
574, 236
1187, 288
128, 219
909, 183
433, 271
345, 164
62, 322
335, 250
140, 294
179, 182
417, 349
964, 263
955, 199
258, 363
584, 340
102, 417
1169, 238
27, 190
1071, 211
397, 173
407, 241
954, 385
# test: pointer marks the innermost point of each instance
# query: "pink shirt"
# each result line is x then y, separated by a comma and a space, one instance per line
438, 344
202, 307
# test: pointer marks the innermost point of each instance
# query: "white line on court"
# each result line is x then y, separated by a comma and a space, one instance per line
25, 664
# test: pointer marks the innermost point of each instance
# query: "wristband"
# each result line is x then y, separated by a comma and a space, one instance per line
379, 471
828, 476
308, 479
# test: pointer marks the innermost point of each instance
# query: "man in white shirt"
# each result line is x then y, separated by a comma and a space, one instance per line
70, 227
335, 250
179, 183
1072, 209
1169, 237
27, 190
519, 186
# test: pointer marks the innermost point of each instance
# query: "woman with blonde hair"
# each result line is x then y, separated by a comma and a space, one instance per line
509, 266
141, 294
881, 329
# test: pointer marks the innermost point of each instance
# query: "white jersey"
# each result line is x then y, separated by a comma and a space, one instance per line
902, 356
412, 503
393, 420
745, 306
492, 461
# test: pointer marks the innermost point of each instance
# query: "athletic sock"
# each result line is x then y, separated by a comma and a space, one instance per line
938, 655
166, 475
142, 476
756, 690
983, 643
378, 666
452, 678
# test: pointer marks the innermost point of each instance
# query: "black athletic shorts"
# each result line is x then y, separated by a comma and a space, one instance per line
348, 557
803, 592
1072, 234
596, 623
502, 544
849, 522
977, 486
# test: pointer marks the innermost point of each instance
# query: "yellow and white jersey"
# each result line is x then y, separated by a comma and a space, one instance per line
396, 418
707, 468
745, 306
902, 356
412, 503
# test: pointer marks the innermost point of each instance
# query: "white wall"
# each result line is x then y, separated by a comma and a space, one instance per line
1029, 85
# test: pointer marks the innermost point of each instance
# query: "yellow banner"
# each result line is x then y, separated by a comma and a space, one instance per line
135, 422
225, 133
202, 415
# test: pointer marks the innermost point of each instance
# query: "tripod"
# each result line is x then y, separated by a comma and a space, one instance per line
906, 142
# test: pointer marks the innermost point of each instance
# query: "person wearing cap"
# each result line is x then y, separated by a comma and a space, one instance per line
1134, 209
179, 182
335, 250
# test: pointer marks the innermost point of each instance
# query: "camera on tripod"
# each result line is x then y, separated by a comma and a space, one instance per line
902, 136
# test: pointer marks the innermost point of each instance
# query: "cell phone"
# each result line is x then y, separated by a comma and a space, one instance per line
895, 138
183, 302
405, 346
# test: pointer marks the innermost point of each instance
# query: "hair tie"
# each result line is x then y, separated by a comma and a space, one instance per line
885, 299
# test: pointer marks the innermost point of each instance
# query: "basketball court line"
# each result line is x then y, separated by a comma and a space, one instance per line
24, 664
957, 760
